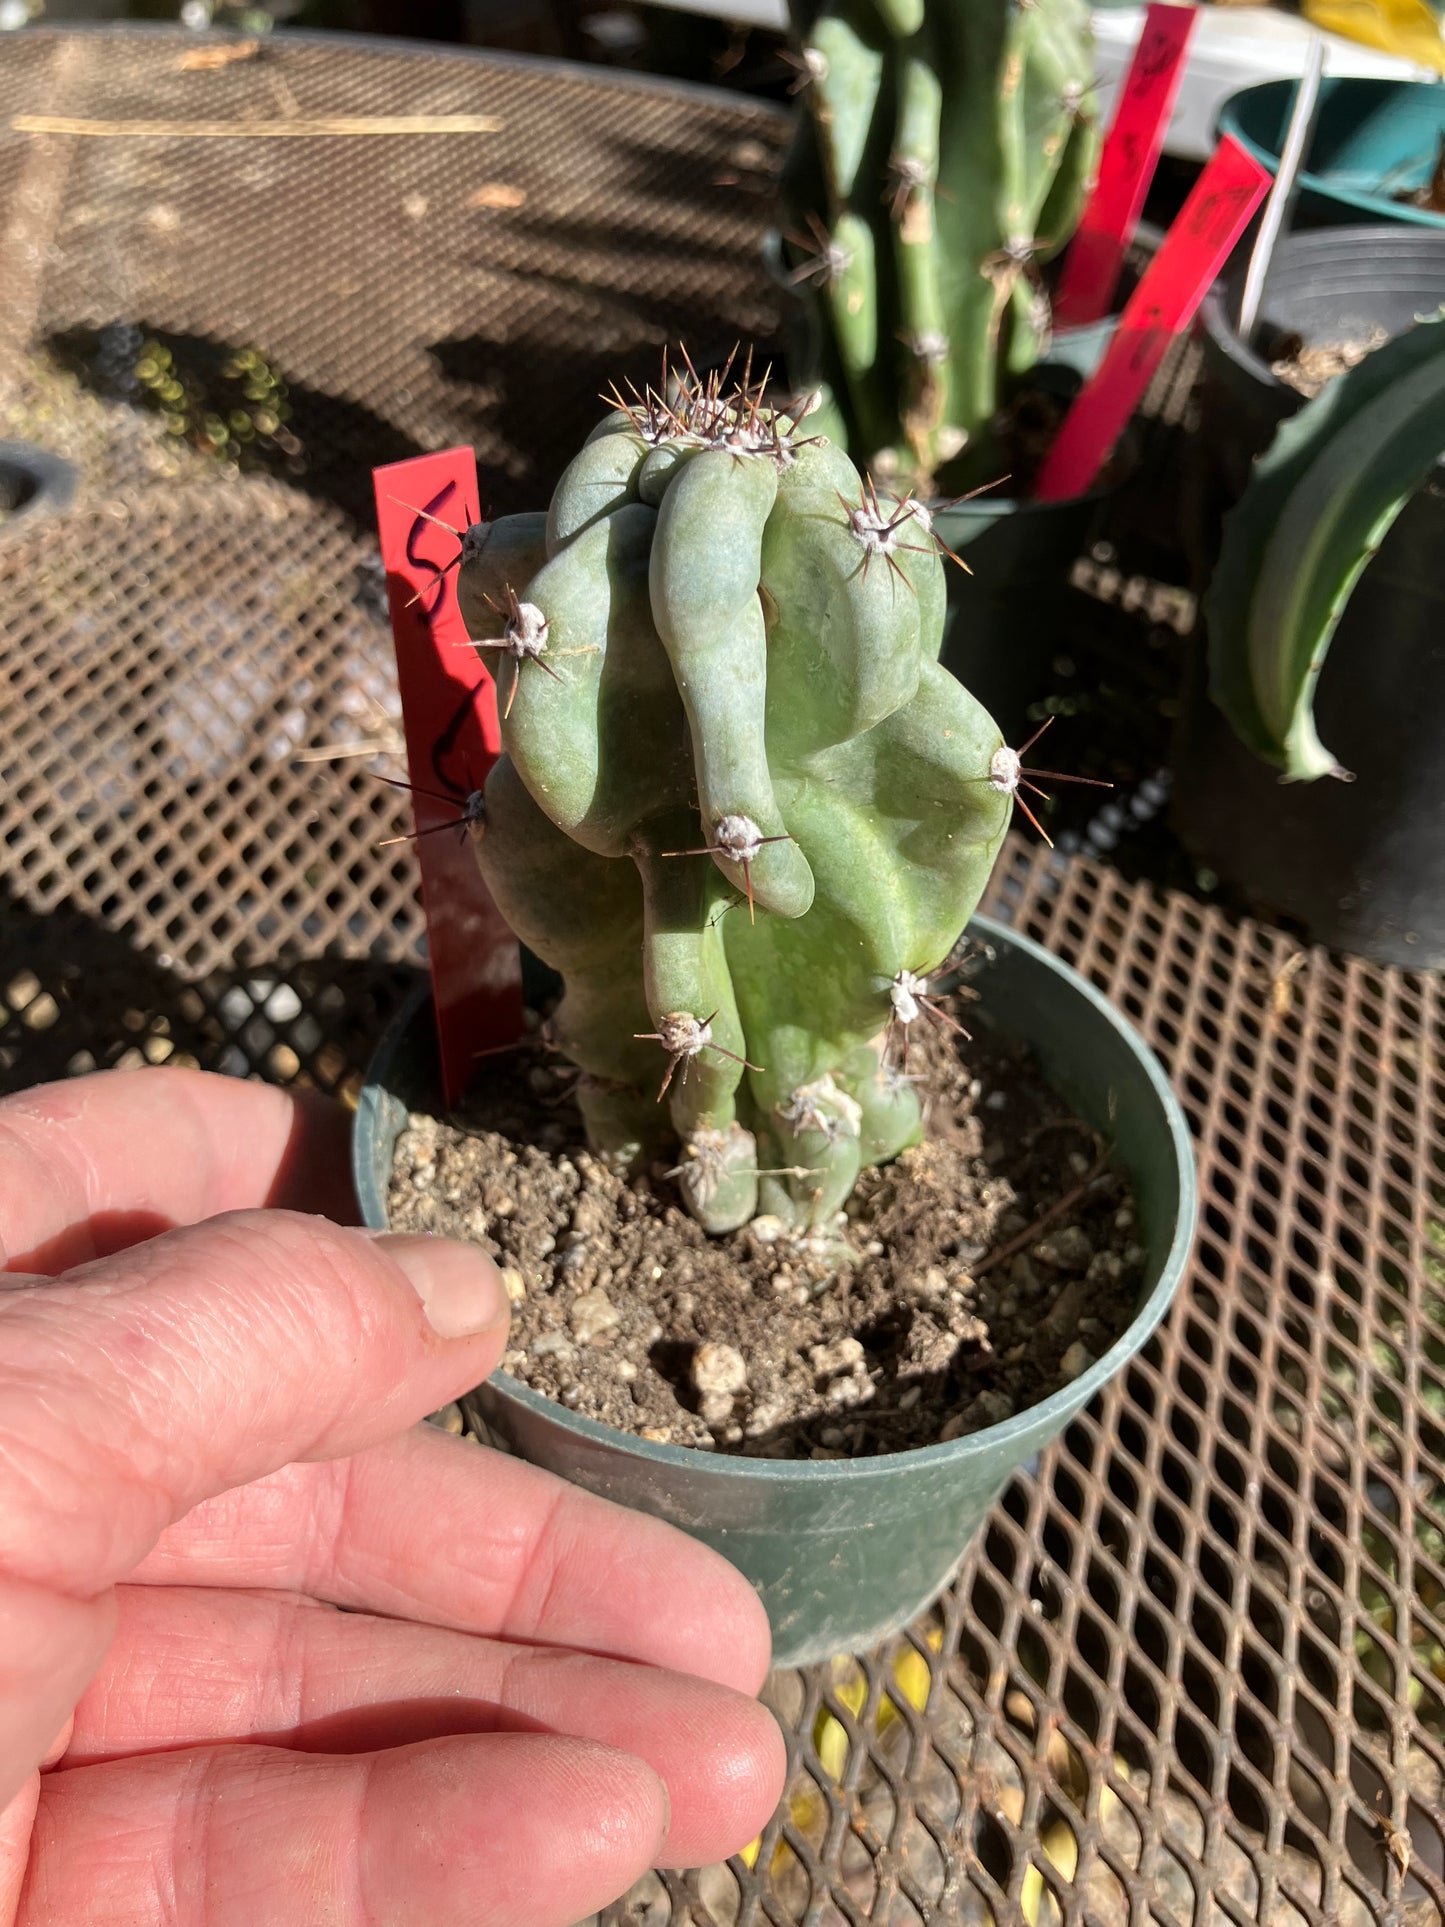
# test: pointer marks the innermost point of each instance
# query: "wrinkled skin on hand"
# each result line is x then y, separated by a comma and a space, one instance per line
209, 1398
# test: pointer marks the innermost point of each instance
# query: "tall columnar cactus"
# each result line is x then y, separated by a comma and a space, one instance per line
742, 808
944, 155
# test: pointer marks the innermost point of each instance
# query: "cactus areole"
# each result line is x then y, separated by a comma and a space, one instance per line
943, 157
742, 809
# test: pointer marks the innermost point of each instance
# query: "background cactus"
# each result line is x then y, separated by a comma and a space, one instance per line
944, 156
742, 809
1319, 503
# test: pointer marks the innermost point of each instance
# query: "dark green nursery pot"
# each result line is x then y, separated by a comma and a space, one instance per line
844, 1552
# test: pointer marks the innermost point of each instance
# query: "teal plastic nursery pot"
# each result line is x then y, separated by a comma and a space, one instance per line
1373, 140
844, 1552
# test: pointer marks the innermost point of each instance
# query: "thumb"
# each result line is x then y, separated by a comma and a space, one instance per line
136, 1386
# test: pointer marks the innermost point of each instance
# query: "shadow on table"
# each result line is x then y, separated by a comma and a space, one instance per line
666, 252
545, 422
76, 996
742, 167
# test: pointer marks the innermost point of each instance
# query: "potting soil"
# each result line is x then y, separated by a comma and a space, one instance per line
990, 1265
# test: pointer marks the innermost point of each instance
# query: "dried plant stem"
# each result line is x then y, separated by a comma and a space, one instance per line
293, 129
1045, 1218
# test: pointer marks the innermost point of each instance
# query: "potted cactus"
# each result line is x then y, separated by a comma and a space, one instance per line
1327, 593
745, 815
940, 163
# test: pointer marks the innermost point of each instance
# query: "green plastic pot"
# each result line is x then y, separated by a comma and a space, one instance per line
845, 1552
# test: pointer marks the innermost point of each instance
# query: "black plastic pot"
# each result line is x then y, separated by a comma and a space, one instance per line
845, 1552
1360, 866
32, 482
1016, 609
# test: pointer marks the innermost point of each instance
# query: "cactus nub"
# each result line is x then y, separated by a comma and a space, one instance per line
738, 705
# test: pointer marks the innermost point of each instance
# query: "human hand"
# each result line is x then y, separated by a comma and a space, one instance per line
208, 1442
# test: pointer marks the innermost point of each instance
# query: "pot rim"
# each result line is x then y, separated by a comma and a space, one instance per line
1328, 186
1215, 310
1016, 1432
1344, 242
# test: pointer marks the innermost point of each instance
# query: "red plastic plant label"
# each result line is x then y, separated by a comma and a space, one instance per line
1126, 166
449, 707
1163, 305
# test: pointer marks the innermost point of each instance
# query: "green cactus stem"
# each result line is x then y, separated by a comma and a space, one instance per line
945, 155
741, 803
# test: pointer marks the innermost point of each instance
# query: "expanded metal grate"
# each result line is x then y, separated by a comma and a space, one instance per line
410, 292
167, 661
1194, 1670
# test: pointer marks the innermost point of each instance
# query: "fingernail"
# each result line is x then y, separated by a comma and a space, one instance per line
457, 1284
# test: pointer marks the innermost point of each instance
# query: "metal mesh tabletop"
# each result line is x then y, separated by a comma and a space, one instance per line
1194, 1670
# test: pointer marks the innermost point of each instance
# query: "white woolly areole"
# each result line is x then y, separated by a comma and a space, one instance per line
526, 631
835, 261
894, 1078
1005, 768
930, 346
651, 418
707, 1153
680, 1033
873, 529
885, 529
738, 837
904, 994
743, 437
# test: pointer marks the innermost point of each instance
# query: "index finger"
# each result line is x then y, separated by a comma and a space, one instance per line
93, 1165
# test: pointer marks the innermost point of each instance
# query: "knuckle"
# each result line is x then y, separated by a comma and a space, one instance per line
305, 1269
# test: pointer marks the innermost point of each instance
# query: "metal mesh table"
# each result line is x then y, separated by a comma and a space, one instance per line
1194, 1670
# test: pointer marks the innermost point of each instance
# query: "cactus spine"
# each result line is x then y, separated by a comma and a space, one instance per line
945, 154
742, 808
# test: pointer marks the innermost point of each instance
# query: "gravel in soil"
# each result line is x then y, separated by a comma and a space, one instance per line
991, 1264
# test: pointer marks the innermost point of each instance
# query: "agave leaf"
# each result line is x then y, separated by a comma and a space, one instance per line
1319, 503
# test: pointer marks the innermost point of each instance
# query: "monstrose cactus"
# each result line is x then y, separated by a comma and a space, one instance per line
945, 153
742, 810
